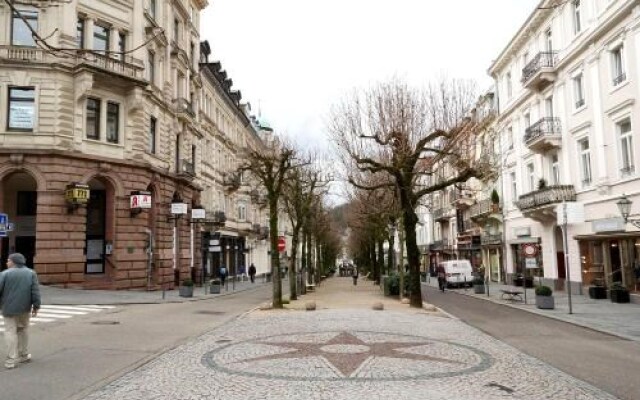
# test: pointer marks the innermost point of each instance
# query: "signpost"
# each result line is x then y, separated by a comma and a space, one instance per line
569, 213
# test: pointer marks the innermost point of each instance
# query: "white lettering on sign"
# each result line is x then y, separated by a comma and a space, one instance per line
178, 208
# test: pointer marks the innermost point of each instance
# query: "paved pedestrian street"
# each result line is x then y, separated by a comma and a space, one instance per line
50, 313
346, 354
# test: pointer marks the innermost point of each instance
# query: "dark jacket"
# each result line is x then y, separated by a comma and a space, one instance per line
19, 291
252, 270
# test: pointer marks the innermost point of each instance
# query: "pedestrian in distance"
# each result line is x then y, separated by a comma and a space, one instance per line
354, 275
252, 273
441, 273
223, 274
20, 299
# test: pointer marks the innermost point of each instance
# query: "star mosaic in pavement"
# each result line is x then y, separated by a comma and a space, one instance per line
347, 352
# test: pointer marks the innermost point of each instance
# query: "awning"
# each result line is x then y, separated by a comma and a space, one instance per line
610, 235
523, 240
227, 233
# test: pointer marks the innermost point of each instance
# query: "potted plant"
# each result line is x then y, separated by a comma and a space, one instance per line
542, 183
495, 200
619, 293
215, 286
478, 285
544, 298
186, 288
597, 290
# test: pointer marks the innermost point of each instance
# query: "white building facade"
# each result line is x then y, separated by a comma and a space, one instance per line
568, 85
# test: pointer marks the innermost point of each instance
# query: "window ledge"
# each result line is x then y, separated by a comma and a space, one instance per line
619, 86
104, 142
579, 109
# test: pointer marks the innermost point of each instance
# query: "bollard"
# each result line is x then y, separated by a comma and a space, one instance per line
488, 287
465, 283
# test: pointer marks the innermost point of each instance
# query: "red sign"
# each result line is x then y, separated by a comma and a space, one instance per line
137, 201
282, 243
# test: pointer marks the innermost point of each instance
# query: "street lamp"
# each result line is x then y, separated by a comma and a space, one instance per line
624, 205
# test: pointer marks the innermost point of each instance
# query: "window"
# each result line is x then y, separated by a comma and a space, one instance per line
510, 138
122, 45
626, 147
509, 85
242, 212
578, 90
585, 161
21, 108
20, 32
514, 187
548, 107
27, 203
531, 177
113, 122
100, 38
555, 170
80, 33
617, 66
93, 118
577, 23
548, 38
152, 135
152, 68
527, 120
176, 28
152, 8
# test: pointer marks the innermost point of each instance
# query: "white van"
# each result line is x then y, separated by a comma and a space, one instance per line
458, 272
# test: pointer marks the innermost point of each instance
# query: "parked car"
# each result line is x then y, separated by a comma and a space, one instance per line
458, 273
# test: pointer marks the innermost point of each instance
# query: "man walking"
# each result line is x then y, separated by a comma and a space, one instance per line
252, 273
20, 298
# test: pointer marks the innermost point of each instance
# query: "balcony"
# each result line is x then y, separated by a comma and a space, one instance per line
183, 108
26, 54
231, 181
488, 240
544, 135
540, 205
123, 66
187, 170
442, 214
463, 198
483, 209
541, 71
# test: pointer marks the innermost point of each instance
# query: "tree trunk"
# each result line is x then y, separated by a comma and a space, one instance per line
293, 292
318, 266
392, 243
410, 220
275, 256
303, 262
401, 244
310, 265
380, 263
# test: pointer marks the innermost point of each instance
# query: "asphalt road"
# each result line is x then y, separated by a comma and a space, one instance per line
76, 356
605, 361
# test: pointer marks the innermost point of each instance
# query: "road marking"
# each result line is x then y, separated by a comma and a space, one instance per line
51, 313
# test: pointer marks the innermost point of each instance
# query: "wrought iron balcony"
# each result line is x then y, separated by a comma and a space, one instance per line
219, 217
441, 214
183, 107
463, 197
491, 239
544, 135
540, 204
187, 169
540, 71
231, 181
483, 208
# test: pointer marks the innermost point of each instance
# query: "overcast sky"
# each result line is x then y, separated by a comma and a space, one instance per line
293, 59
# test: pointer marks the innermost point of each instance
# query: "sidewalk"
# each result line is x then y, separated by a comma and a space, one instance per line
60, 296
622, 320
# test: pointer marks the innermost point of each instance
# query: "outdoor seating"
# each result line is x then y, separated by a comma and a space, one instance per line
511, 295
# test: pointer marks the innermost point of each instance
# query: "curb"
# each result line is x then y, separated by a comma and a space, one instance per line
554, 317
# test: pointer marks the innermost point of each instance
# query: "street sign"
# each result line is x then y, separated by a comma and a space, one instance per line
215, 249
178, 208
531, 263
198, 213
282, 244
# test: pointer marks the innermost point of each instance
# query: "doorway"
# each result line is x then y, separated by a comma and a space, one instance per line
616, 261
96, 229
20, 202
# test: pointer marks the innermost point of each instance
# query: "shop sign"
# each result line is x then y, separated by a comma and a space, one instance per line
531, 263
178, 208
77, 193
198, 213
140, 200
522, 231
215, 249
608, 225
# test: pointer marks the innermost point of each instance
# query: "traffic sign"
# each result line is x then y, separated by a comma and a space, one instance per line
282, 243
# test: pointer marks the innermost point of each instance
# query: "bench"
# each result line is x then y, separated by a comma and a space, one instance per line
311, 287
513, 295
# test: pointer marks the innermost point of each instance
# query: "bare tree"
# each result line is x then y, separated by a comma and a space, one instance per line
415, 142
269, 166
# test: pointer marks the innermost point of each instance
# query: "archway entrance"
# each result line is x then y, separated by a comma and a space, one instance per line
98, 232
19, 201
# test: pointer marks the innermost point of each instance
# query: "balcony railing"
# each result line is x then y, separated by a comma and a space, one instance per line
441, 213
187, 169
491, 239
483, 207
547, 126
547, 196
231, 180
183, 105
116, 63
545, 59
22, 53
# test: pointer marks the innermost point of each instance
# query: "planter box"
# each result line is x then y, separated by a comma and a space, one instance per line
478, 288
186, 291
214, 288
619, 296
545, 302
597, 292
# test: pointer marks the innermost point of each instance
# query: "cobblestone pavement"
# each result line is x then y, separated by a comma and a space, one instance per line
346, 354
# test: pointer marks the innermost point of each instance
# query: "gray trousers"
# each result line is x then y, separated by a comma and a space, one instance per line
16, 335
